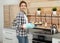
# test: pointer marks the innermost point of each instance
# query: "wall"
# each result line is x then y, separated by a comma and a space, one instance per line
46, 4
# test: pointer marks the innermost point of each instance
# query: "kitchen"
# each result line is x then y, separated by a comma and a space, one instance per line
42, 21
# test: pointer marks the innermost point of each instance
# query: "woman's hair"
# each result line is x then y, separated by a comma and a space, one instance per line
22, 2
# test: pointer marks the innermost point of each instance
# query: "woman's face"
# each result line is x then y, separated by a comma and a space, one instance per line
23, 7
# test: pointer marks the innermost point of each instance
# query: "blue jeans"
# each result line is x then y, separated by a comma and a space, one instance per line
22, 39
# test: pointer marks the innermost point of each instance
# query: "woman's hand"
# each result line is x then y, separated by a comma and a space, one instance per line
23, 26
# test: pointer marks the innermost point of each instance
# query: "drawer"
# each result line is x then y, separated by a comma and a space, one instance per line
10, 40
9, 36
9, 33
7, 40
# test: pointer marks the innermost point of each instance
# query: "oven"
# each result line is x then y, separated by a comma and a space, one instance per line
40, 37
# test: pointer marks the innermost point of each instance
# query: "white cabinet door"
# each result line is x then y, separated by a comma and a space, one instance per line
9, 36
55, 40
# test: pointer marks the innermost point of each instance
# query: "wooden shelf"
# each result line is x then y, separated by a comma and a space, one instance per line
46, 19
41, 16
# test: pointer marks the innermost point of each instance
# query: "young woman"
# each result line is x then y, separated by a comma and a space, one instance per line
21, 19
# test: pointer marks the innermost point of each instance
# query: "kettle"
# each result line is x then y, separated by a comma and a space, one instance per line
54, 29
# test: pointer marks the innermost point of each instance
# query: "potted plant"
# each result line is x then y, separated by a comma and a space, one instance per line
38, 11
54, 10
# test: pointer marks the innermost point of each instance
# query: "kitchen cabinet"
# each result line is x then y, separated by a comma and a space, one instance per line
9, 36
55, 40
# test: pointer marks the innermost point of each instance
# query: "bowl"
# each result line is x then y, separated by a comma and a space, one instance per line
29, 25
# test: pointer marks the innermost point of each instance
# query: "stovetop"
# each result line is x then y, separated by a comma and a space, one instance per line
44, 32
42, 35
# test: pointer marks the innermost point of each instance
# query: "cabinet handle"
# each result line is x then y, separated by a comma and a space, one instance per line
8, 39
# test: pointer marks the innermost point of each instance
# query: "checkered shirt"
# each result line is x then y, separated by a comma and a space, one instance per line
20, 19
